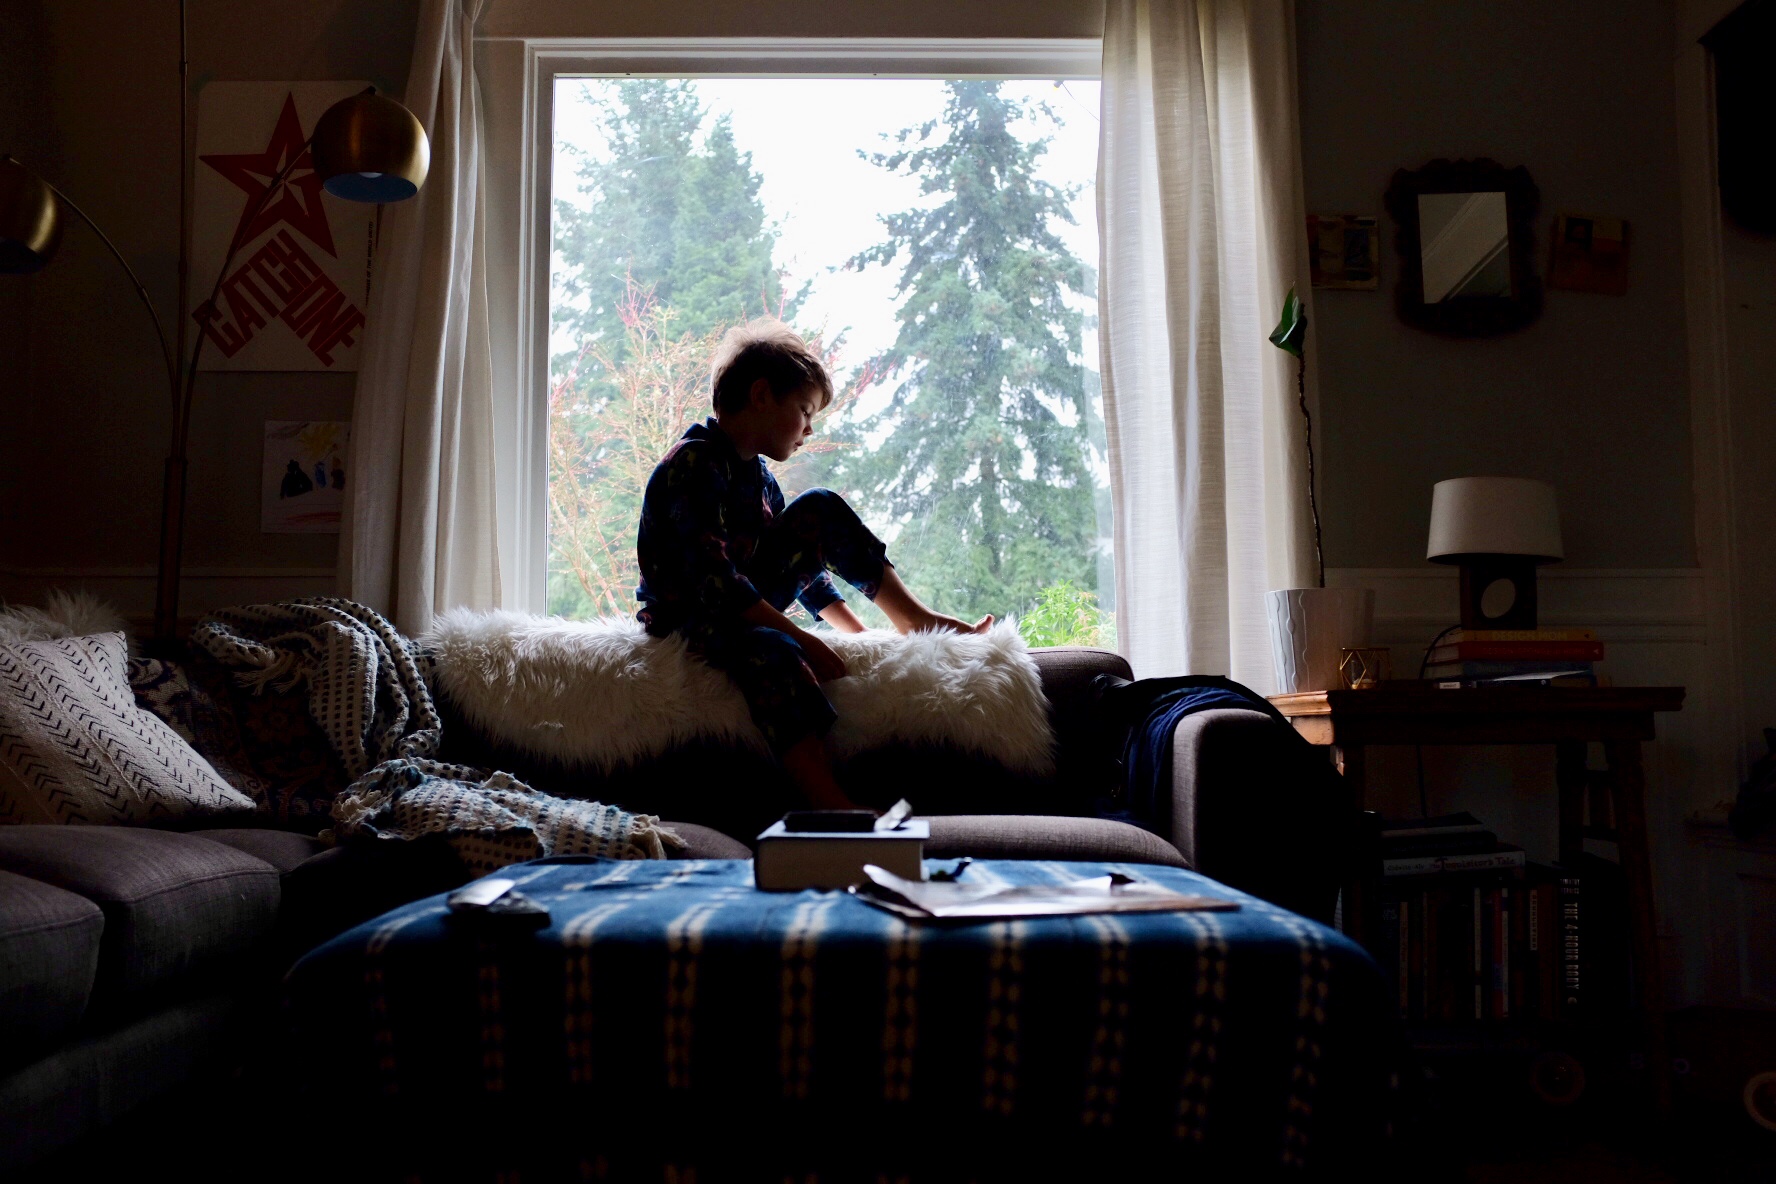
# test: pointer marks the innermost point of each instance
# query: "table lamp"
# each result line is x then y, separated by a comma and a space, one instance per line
365, 148
1496, 530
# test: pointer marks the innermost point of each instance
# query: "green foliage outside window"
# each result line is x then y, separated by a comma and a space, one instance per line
978, 466
1065, 614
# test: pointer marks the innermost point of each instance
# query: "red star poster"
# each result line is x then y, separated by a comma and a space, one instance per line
294, 293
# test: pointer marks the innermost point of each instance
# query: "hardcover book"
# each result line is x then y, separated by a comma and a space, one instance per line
1531, 669
790, 861
1499, 858
1457, 636
1518, 651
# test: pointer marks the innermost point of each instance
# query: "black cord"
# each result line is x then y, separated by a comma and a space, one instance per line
1313, 502
1424, 801
1426, 663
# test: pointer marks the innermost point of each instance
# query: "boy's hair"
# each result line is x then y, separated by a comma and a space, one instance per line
768, 349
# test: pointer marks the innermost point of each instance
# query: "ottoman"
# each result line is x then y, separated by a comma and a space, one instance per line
671, 1022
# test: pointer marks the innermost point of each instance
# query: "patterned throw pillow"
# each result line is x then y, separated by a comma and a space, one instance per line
261, 741
74, 747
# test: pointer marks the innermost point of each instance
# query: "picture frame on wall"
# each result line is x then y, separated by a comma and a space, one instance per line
299, 259
303, 475
1589, 254
1344, 251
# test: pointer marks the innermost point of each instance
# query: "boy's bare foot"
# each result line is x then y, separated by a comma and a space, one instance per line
909, 615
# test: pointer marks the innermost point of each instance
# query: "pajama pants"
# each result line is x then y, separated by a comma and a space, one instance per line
816, 532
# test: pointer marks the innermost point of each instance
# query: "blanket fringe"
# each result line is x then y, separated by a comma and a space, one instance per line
284, 673
647, 833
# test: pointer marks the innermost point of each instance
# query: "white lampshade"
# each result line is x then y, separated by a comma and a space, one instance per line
1494, 516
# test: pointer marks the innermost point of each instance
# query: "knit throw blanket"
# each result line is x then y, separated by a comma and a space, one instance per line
365, 689
491, 819
367, 693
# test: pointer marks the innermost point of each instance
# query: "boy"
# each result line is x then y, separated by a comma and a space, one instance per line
722, 556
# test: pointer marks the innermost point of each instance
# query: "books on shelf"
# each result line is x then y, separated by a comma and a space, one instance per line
1458, 636
1472, 933
1486, 947
1517, 651
1438, 846
1507, 670
1488, 657
1500, 857
1441, 825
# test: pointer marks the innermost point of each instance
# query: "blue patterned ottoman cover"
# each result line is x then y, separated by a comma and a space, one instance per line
673, 1023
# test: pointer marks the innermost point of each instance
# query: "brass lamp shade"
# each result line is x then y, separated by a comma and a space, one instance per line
371, 149
30, 220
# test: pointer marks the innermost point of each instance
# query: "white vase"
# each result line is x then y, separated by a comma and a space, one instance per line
1309, 627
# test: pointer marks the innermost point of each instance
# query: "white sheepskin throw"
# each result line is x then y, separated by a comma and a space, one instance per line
64, 614
606, 694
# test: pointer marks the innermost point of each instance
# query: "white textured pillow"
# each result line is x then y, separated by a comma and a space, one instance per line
605, 693
74, 747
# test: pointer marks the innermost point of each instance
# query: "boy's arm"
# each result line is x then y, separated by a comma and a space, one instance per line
825, 664
838, 614
684, 505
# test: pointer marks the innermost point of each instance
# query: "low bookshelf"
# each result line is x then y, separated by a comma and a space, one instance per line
1569, 718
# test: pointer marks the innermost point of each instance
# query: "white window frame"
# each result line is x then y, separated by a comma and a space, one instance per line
517, 77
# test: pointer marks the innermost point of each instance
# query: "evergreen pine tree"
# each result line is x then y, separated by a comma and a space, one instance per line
673, 208
671, 248
983, 458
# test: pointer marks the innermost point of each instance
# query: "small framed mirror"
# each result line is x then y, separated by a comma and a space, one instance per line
1465, 232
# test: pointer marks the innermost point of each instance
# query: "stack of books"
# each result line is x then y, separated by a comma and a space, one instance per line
1491, 657
1470, 932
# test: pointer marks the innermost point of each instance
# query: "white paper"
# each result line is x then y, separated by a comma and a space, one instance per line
959, 900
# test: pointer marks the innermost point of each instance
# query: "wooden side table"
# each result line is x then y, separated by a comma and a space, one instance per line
1566, 717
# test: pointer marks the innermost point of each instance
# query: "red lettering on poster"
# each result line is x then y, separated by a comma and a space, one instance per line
292, 288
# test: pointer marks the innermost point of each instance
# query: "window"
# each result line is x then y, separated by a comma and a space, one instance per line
936, 236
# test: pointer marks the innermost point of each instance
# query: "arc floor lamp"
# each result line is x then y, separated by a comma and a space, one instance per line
365, 148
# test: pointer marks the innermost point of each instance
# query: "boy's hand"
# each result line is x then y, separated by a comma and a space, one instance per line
825, 664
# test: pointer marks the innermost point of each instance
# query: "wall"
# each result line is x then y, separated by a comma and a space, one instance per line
1595, 397
796, 18
1591, 397
1749, 277
89, 92
1732, 272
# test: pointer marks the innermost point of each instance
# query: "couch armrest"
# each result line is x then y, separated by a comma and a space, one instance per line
1083, 768
1261, 812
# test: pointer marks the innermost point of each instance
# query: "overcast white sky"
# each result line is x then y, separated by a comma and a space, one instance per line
804, 135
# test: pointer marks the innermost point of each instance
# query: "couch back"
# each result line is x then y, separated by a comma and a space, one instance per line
740, 792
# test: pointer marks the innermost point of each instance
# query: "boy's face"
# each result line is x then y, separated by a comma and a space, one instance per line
781, 426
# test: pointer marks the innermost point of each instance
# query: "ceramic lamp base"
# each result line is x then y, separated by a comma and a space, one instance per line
1498, 592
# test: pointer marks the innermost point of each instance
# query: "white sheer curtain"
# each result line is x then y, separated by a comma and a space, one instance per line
418, 534
1202, 228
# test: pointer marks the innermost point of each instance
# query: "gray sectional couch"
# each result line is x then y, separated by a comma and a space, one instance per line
135, 963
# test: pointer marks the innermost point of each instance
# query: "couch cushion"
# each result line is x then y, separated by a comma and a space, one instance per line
1033, 836
49, 952
282, 849
175, 905
74, 747
702, 842
81, 1088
